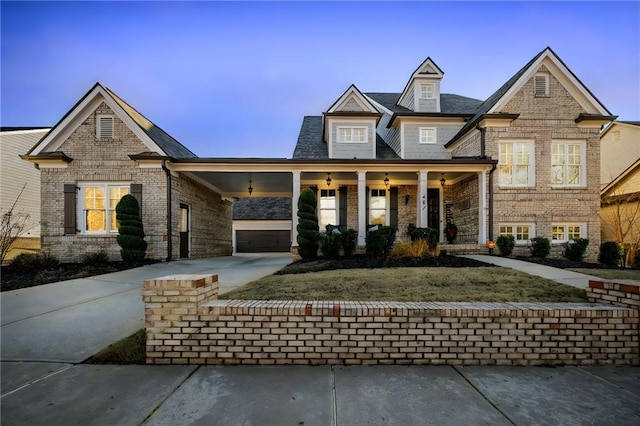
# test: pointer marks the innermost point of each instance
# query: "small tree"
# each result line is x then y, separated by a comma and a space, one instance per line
620, 217
13, 226
308, 229
506, 243
131, 238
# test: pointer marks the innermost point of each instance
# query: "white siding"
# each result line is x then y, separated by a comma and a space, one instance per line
15, 173
389, 135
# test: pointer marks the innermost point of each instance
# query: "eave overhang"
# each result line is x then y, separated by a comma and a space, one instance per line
399, 115
44, 160
594, 120
501, 119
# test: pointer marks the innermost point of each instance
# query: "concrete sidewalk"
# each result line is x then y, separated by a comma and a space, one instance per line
563, 276
300, 395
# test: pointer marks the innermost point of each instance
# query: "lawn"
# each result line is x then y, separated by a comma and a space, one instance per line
443, 284
610, 274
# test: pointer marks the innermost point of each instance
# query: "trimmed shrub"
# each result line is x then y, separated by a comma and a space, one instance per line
429, 235
576, 249
330, 245
348, 238
505, 244
380, 241
540, 247
308, 230
34, 261
610, 253
97, 258
131, 238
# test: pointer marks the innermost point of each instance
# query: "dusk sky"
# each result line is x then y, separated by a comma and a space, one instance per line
236, 79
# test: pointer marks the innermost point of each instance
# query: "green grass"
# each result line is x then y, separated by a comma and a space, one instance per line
611, 274
130, 350
483, 284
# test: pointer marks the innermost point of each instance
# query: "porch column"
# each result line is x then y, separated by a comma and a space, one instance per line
294, 209
423, 209
482, 207
362, 209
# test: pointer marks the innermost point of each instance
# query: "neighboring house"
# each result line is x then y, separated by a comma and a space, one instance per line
523, 162
620, 211
262, 225
20, 184
103, 149
619, 149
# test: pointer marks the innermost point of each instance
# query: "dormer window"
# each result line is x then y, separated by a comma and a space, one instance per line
428, 135
104, 127
427, 90
352, 134
541, 84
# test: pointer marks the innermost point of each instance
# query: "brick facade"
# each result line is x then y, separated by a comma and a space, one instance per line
184, 326
108, 161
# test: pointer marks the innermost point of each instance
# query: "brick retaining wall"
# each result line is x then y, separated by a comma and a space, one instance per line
626, 294
187, 325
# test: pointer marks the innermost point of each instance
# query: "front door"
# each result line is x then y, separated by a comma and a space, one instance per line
433, 195
184, 231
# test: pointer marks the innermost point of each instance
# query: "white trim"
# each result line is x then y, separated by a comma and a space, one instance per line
583, 163
362, 219
294, 210
81, 219
402, 140
416, 74
378, 105
427, 85
24, 132
387, 203
354, 92
435, 135
532, 163
189, 219
583, 230
336, 209
514, 225
352, 128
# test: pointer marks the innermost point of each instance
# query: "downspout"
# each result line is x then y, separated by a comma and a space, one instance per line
493, 169
169, 239
482, 142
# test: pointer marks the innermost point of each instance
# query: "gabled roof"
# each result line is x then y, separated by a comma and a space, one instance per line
311, 146
504, 93
427, 68
155, 139
352, 94
633, 168
449, 103
618, 123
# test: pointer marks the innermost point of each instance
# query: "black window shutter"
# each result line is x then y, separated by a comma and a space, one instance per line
70, 208
393, 207
342, 200
136, 191
366, 207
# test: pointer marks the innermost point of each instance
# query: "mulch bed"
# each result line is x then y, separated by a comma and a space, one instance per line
13, 279
364, 262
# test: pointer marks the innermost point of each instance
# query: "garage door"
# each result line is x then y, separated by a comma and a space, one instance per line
263, 241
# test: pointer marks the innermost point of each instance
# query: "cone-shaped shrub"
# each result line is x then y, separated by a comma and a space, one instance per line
307, 225
131, 238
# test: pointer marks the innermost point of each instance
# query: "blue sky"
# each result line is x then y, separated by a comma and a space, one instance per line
235, 79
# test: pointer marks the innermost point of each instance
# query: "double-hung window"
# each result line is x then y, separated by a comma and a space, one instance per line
562, 232
521, 232
427, 90
328, 208
352, 134
516, 164
378, 207
568, 163
97, 205
427, 135
104, 127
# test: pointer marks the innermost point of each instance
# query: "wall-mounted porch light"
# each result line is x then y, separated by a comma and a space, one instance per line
250, 188
443, 180
386, 179
328, 179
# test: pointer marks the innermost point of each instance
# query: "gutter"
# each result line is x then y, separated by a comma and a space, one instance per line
169, 218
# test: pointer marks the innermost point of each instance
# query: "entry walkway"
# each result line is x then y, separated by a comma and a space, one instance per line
563, 276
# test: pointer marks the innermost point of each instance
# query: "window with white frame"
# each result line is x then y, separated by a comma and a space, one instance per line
378, 207
328, 208
516, 164
352, 134
428, 135
521, 232
427, 90
97, 206
541, 84
568, 163
104, 127
563, 232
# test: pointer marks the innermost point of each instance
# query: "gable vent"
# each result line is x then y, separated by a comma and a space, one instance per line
104, 127
541, 82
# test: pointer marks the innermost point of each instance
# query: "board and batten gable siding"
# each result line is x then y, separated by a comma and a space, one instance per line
413, 149
390, 135
15, 173
544, 120
352, 150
